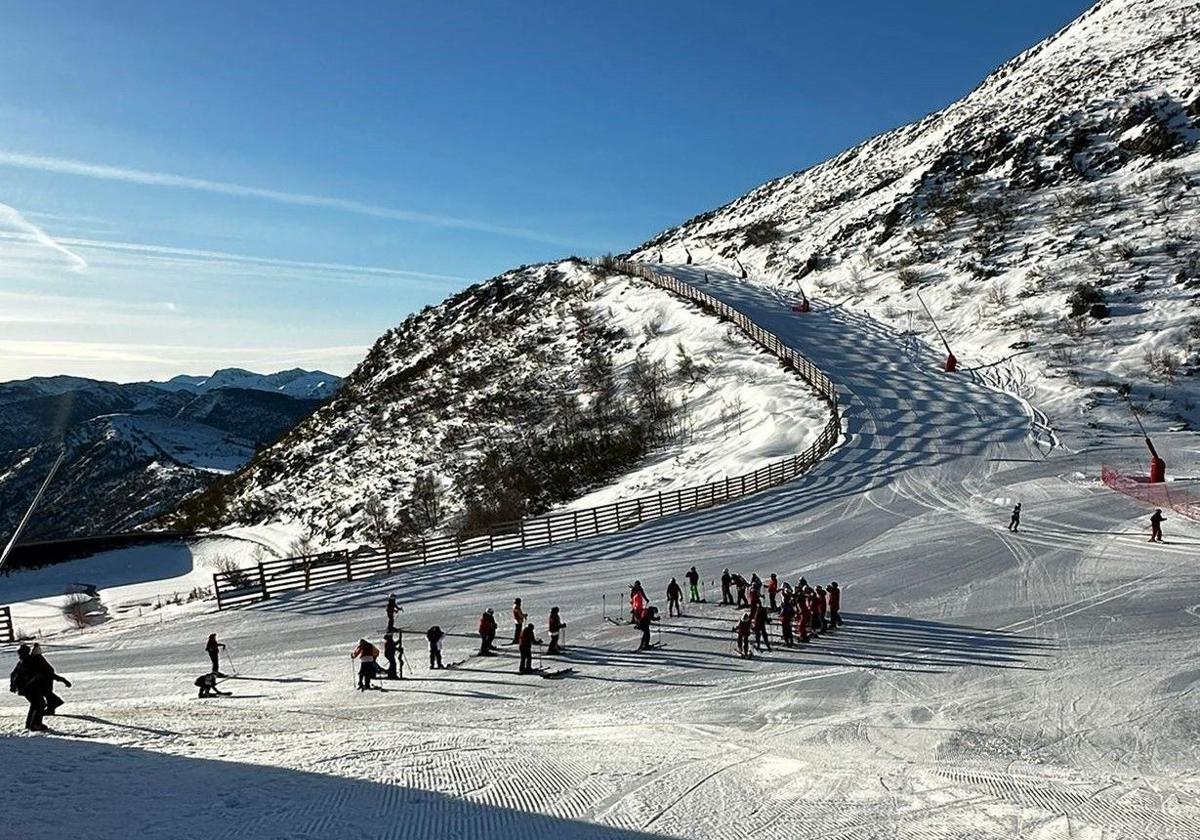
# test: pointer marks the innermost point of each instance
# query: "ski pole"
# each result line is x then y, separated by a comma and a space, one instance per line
232, 664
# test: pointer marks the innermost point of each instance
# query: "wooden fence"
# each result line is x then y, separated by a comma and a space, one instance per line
259, 583
7, 632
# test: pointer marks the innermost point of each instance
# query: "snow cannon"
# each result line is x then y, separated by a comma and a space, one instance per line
802, 305
1158, 467
951, 362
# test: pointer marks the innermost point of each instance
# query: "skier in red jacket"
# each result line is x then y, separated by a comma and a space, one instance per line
742, 629
487, 632
555, 625
803, 615
525, 647
835, 605
772, 591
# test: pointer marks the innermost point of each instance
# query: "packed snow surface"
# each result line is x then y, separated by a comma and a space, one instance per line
987, 684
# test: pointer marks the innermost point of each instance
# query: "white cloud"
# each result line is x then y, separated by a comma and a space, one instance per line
34, 233
165, 179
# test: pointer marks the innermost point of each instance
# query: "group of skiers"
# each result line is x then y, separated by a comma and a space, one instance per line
33, 678
803, 610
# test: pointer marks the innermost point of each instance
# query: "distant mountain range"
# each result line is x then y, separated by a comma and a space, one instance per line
135, 450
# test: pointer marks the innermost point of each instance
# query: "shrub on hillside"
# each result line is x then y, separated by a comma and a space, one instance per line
1086, 299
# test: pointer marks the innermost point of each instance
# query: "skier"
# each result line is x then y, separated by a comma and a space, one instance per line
787, 614
637, 601
822, 606
803, 615
649, 616
835, 605
760, 618
487, 632
366, 654
33, 678
207, 683
518, 620
772, 591
525, 647
814, 617
1015, 521
726, 582
214, 647
435, 635
392, 609
555, 626
40, 665
674, 596
740, 583
742, 629
693, 579
755, 583
389, 653
1156, 521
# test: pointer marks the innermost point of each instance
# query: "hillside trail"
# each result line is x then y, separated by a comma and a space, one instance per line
986, 684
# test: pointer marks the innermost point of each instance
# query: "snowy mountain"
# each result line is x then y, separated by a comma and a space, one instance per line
314, 385
1052, 215
133, 450
518, 395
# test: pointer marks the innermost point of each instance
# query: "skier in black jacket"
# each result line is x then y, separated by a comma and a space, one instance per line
214, 649
435, 635
648, 617
34, 679
390, 647
674, 599
726, 582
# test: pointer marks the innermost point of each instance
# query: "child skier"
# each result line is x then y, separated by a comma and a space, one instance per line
390, 648
726, 592
742, 629
366, 654
487, 632
519, 617
835, 605
1014, 521
435, 635
693, 579
525, 647
207, 683
1156, 521
674, 599
555, 625
214, 648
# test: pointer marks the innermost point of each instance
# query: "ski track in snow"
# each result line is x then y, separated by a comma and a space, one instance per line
987, 684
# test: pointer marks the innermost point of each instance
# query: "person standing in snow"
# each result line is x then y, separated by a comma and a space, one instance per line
487, 632
772, 591
1015, 521
674, 597
1156, 521
693, 579
726, 592
525, 648
34, 679
649, 616
392, 609
835, 605
214, 649
803, 614
366, 654
822, 606
787, 614
742, 629
813, 611
519, 617
759, 619
555, 625
435, 635
637, 601
389, 655
740, 583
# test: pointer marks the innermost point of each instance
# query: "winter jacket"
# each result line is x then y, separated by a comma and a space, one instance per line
212, 646
526, 643
555, 624
743, 629
761, 619
772, 585
674, 592
366, 653
835, 598
389, 648
434, 634
518, 615
487, 624
637, 602
693, 577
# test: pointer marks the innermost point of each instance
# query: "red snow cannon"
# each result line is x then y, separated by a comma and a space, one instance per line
802, 305
951, 363
1158, 467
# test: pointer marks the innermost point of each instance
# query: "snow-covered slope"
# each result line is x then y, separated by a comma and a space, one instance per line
520, 395
986, 685
1075, 163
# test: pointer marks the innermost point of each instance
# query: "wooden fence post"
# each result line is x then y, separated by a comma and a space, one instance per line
349, 567
262, 582
217, 591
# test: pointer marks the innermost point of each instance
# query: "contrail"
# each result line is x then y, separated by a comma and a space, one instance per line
36, 234
165, 179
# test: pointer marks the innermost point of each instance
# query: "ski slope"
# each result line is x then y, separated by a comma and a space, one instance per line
987, 684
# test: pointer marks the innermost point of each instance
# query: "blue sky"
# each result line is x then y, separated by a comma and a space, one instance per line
188, 186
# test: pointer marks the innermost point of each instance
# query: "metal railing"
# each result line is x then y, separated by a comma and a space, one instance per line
260, 582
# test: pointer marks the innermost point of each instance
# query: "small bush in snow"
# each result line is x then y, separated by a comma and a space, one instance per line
1161, 365
761, 233
78, 610
234, 574
909, 278
1086, 299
